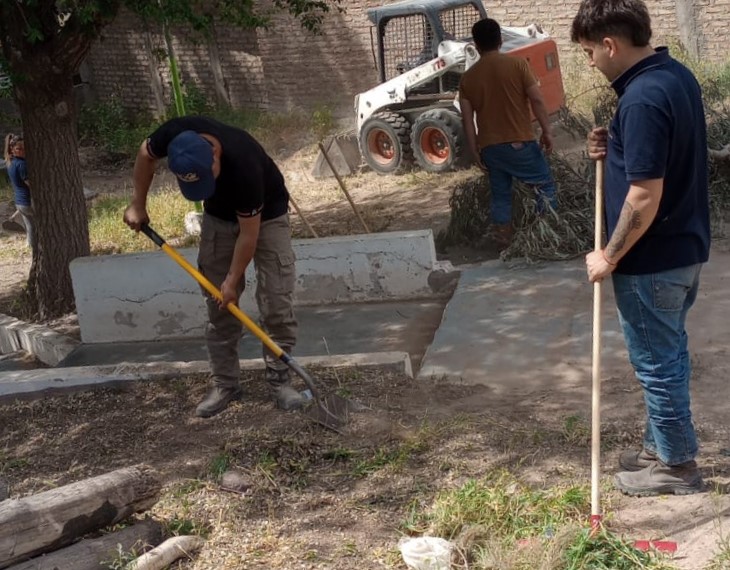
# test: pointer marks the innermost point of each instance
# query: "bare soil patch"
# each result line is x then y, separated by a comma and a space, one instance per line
318, 499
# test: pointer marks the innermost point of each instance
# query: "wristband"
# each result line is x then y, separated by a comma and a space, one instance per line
603, 253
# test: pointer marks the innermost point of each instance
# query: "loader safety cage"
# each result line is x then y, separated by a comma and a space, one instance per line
409, 32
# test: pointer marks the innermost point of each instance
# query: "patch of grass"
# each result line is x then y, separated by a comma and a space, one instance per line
323, 122
500, 522
383, 457
6, 190
12, 463
185, 488
721, 560
108, 234
507, 508
219, 465
120, 560
605, 550
338, 454
184, 527
576, 431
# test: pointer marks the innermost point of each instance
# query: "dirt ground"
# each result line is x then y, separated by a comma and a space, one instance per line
323, 500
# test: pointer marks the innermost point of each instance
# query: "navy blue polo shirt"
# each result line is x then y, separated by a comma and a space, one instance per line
659, 131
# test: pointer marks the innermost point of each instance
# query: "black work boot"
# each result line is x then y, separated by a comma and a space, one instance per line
633, 460
287, 397
661, 479
218, 399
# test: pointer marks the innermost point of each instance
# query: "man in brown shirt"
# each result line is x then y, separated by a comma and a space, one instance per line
502, 90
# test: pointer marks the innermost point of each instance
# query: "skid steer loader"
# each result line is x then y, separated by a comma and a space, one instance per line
421, 49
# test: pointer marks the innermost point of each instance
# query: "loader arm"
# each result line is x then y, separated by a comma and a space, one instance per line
452, 55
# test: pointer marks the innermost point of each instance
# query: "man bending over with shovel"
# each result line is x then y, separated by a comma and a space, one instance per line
245, 217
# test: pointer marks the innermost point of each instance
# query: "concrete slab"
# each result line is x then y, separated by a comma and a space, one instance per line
406, 326
17, 385
45, 344
143, 297
521, 328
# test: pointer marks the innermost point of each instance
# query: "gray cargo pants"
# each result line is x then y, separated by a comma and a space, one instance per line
275, 276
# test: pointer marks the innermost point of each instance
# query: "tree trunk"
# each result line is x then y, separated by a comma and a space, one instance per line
49, 125
689, 29
53, 519
92, 553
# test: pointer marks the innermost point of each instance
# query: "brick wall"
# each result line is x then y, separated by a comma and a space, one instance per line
286, 67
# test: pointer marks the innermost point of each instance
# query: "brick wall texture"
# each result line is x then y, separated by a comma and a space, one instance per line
287, 67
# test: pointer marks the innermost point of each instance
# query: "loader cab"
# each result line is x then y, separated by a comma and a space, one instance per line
412, 115
408, 33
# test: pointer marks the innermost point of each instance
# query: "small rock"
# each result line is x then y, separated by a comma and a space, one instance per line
89, 194
4, 490
235, 482
193, 222
443, 281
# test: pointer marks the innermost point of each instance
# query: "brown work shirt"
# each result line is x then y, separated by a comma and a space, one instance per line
496, 86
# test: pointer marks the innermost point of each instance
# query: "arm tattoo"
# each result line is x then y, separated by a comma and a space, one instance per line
628, 221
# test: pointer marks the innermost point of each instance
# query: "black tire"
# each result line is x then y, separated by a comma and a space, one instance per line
438, 141
385, 143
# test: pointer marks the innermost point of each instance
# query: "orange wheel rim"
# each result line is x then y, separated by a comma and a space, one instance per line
435, 145
381, 146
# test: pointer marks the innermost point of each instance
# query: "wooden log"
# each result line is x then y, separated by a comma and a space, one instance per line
53, 519
91, 553
165, 554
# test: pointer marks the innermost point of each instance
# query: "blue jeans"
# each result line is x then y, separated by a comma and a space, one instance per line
524, 161
29, 222
652, 311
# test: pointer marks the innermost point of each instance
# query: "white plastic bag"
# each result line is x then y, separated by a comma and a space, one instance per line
426, 553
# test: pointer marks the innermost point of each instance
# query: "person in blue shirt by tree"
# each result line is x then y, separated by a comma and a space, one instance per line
14, 154
658, 226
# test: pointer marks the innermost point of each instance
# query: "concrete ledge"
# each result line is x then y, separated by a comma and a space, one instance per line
47, 345
143, 297
25, 384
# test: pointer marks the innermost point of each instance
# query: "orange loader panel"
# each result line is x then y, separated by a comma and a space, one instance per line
543, 59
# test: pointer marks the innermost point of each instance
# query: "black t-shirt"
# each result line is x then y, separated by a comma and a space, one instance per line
249, 182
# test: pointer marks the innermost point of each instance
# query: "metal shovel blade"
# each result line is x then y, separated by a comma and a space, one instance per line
332, 411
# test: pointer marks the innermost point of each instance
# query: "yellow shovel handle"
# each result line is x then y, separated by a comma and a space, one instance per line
215, 292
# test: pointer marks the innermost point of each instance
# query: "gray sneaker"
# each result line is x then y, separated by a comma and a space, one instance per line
661, 479
636, 460
217, 400
287, 397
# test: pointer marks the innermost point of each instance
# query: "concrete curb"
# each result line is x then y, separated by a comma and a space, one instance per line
47, 345
31, 383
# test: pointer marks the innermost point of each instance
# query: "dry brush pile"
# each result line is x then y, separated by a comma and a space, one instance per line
567, 231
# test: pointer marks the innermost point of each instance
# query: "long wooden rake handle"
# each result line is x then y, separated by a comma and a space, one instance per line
596, 367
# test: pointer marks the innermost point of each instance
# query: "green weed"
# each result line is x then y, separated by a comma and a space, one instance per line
219, 465
394, 458
184, 527
605, 550
121, 559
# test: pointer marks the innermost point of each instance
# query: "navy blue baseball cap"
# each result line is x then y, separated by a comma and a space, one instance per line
190, 158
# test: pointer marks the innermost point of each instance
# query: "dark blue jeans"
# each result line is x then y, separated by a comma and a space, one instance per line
524, 161
652, 311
